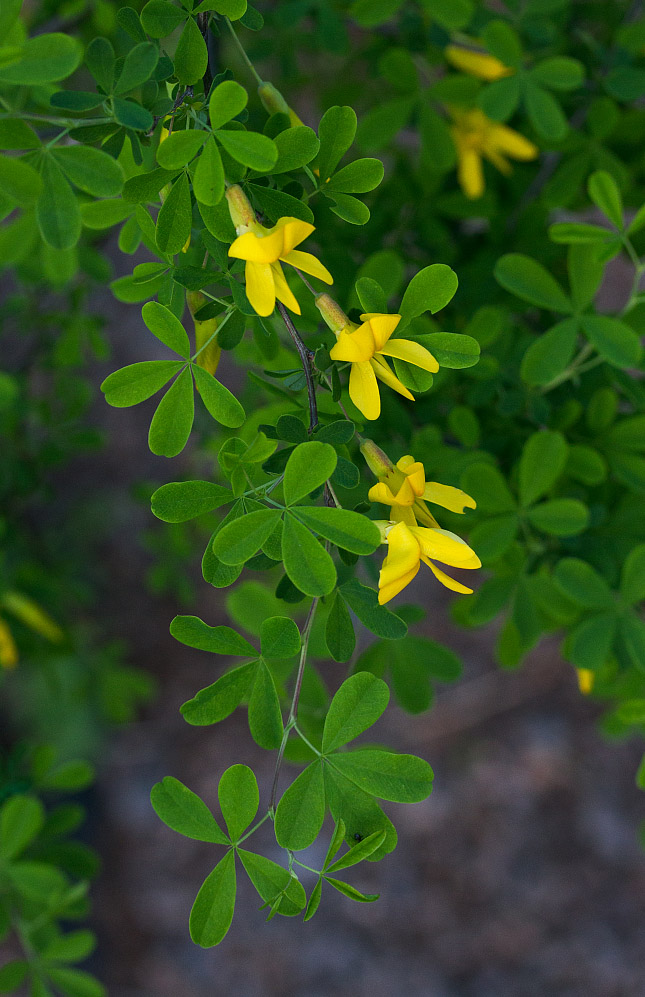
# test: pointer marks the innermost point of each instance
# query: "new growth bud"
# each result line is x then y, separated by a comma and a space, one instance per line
242, 213
378, 462
274, 103
206, 345
332, 313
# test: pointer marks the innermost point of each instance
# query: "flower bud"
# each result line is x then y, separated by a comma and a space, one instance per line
242, 213
332, 313
378, 462
209, 356
274, 103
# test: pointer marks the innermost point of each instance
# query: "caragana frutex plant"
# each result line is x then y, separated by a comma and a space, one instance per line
511, 144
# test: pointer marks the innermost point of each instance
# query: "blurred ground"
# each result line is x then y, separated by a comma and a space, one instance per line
521, 876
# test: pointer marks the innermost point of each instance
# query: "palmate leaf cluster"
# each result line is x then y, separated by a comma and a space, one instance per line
537, 410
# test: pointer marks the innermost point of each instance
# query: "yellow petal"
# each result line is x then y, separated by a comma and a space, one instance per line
294, 231
308, 263
585, 680
450, 498
355, 346
513, 143
470, 173
363, 390
411, 352
388, 377
404, 514
382, 328
405, 462
402, 554
479, 64
282, 290
416, 477
446, 580
423, 515
441, 545
381, 493
260, 289
265, 249
387, 592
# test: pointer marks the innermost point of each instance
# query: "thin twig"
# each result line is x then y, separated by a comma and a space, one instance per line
306, 357
293, 712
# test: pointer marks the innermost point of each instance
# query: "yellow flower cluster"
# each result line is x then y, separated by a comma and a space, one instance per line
32, 616
412, 534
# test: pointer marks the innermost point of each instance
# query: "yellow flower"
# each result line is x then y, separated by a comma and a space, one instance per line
264, 249
408, 546
366, 347
8, 649
476, 137
406, 490
476, 61
585, 680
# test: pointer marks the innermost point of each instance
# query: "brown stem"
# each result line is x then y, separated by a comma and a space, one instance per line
306, 357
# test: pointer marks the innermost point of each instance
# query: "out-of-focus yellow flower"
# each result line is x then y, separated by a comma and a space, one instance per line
207, 355
8, 649
471, 58
476, 137
405, 489
408, 546
585, 680
365, 347
264, 249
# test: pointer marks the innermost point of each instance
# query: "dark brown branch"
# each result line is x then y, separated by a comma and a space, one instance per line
306, 358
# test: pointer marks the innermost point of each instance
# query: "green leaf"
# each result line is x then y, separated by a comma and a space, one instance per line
580, 582
579, 233
71, 947
183, 811
276, 885
585, 274
559, 72
314, 900
358, 704
339, 631
191, 55
339, 431
160, 18
550, 353
208, 180
370, 295
631, 635
632, 712
100, 60
604, 192
545, 113
347, 529
21, 819
166, 327
175, 218
173, 420
527, 279
336, 133
613, 339
388, 776
239, 798
92, 170
12, 975
146, 186
308, 467
75, 982
363, 601
429, 290
589, 644
222, 405
57, 210
44, 59
563, 517
358, 177
632, 581
280, 637
350, 209
358, 852
242, 538
301, 810
227, 100
306, 561
177, 150
19, 181
276, 204
502, 41
499, 100
370, 13
138, 381
9, 15
296, 147
488, 487
180, 501
542, 462
350, 891
265, 718
130, 114
194, 632
138, 66
357, 812
218, 700
249, 148
451, 349
212, 912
